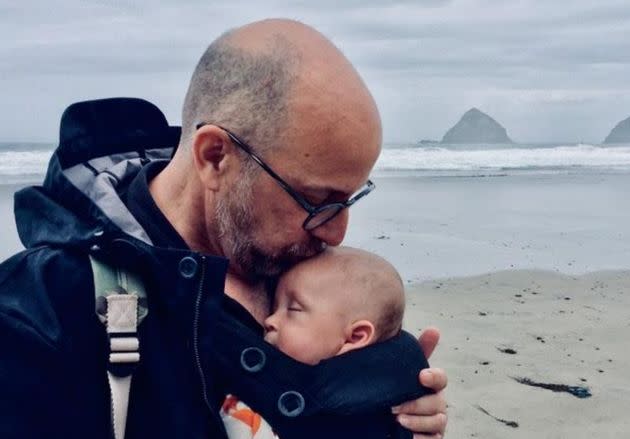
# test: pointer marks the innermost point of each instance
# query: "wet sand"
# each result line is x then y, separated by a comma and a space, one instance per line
435, 227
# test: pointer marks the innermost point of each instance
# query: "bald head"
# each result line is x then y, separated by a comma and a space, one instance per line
273, 80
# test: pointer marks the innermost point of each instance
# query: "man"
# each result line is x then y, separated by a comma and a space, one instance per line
276, 124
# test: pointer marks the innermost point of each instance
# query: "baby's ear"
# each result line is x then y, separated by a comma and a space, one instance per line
358, 335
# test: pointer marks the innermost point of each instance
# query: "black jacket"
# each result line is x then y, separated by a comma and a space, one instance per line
53, 349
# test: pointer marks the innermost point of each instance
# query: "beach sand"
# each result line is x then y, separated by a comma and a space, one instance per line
461, 226
539, 325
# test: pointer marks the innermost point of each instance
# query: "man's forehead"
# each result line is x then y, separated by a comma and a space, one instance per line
323, 174
326, 158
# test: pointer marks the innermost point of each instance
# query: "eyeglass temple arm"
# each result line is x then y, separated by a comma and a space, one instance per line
301, 201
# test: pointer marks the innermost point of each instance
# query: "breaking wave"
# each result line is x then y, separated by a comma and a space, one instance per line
519, 157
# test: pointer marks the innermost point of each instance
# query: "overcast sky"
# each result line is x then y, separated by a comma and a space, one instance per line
547, 70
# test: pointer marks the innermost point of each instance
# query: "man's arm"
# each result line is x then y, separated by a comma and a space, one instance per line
426, 416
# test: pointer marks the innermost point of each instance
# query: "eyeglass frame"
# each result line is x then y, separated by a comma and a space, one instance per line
312, 210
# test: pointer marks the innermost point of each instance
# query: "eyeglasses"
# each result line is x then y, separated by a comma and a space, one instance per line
317, 215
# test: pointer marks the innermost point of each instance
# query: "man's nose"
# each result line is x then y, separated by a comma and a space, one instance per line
333, 232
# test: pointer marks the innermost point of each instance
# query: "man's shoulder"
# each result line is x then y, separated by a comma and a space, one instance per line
43, 291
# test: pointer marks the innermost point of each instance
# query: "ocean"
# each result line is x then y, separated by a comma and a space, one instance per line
24, 163
479, 160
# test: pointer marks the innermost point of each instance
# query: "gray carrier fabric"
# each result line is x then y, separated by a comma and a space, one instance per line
120, 301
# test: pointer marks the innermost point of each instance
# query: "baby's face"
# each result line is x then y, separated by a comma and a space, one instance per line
308, 321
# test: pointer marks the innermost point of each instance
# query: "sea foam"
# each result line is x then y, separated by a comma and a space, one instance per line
519, 157
25, 163
23, 166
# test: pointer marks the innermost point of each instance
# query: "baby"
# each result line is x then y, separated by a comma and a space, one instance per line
333, 303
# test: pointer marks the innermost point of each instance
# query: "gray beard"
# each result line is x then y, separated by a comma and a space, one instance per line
236, 228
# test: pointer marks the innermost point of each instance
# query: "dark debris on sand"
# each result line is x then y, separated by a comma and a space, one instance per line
577, 391
512, 424
509, 351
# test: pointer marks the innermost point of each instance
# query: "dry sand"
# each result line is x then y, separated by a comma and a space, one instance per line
568, 330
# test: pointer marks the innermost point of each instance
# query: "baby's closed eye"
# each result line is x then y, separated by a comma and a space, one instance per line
294, 306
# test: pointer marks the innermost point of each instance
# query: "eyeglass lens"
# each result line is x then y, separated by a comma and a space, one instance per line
322, 216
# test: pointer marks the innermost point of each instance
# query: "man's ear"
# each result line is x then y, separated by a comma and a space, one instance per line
210, 150
358, 335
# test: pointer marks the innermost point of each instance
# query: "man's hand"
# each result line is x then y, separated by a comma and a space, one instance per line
426, 416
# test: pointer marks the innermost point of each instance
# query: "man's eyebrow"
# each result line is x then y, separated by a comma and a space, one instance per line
304, 186
327, 189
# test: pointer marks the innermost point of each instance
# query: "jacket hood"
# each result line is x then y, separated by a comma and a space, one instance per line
103, 144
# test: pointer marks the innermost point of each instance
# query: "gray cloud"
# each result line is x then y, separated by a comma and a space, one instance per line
547, 70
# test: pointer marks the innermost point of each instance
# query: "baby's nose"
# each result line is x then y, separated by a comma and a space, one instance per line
269, 323
271, 331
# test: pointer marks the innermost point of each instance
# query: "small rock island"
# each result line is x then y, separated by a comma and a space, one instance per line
620, 133
476, 127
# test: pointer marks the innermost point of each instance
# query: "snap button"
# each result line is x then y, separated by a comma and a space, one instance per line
188, 267
253, 359
291, 404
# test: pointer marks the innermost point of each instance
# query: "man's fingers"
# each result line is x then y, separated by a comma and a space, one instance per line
428, 340
433, 378
424, 424
426, 416
427, 405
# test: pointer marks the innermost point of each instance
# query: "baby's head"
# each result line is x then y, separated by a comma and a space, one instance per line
335, 302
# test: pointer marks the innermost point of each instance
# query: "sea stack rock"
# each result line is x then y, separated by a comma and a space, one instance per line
621, 133
476, 127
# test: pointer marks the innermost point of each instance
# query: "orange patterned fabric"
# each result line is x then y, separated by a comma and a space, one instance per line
241, 422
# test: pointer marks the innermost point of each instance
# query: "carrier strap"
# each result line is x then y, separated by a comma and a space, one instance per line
120, 301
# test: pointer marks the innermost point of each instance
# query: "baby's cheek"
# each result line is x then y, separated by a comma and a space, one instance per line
302, 347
